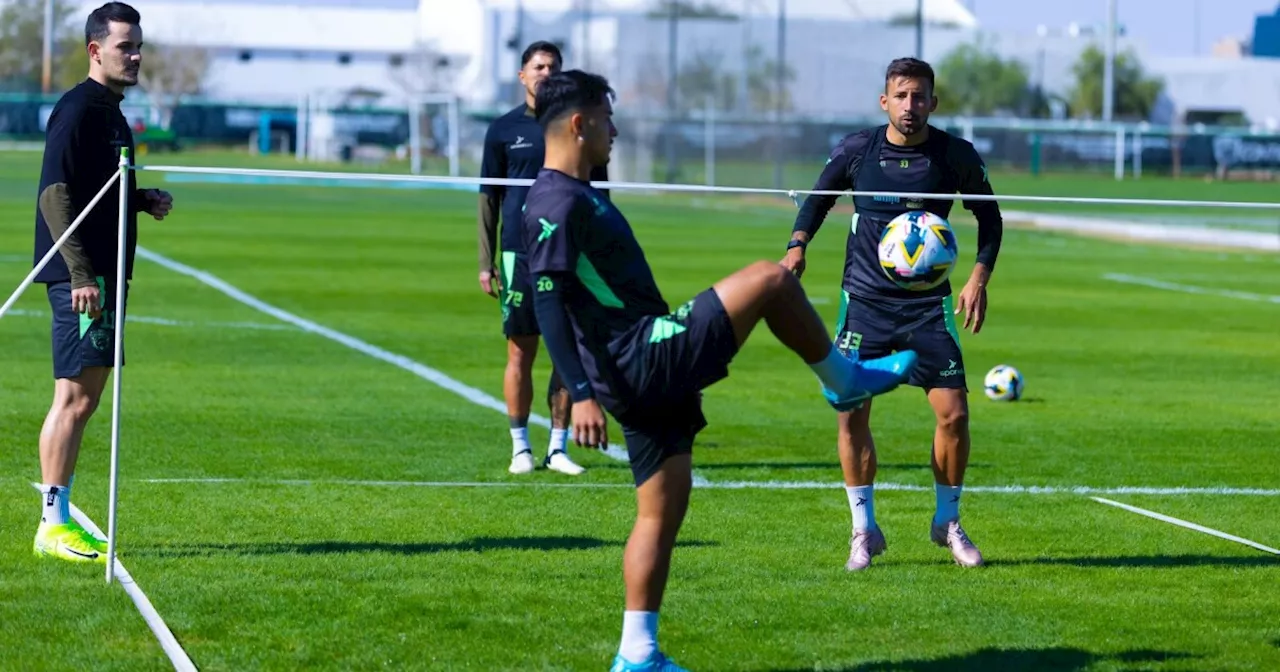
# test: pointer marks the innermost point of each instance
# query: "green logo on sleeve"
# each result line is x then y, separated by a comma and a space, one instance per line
547, 229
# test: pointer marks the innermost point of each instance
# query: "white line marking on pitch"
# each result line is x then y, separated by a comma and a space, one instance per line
423, 371
1190, 289
699, 482
166, 322
177, 655
1188, 525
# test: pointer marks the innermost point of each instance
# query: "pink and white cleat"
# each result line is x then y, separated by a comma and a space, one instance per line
951, 536
863, 546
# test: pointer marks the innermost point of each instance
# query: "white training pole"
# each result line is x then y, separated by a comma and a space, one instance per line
702, 188
31, 277
121, 259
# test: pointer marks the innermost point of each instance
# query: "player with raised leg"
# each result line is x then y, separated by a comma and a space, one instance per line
86, 132
513, 148
877, 317
619, 348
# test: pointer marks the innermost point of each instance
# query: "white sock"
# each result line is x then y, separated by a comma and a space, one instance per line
836, 371
559, 438
57, 504
948, 502
519, 440
862, 505
639, 635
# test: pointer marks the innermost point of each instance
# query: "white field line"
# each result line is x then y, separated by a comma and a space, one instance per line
475, 396
177, 655
166, 322
746, 485
1188, 525
1190, 289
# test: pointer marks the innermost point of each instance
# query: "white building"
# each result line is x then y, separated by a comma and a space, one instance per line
274, 51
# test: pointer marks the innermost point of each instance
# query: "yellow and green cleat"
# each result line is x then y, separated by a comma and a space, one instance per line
69, 541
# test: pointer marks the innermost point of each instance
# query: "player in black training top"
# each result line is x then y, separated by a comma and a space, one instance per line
85, 134
877, 317
513, 148
620, 348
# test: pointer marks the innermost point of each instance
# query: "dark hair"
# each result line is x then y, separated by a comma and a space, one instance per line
910, 68
97, 26
544, 47
569, 91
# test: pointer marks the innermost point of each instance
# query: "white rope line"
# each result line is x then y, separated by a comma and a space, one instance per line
699, 188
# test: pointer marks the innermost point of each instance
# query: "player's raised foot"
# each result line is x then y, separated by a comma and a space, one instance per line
873, 377
863, 546
951, 536
522, 462
657, 662
558, 460
99, 545
66, 542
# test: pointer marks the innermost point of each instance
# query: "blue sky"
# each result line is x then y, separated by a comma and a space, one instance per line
1168, 27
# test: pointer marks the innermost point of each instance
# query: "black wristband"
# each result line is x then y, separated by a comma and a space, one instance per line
796, 242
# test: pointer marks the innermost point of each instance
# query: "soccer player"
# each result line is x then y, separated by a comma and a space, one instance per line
85, 134
620, 348
513, 148
876, 317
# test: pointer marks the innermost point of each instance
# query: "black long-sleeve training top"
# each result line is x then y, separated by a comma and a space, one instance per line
867, 161
85, 134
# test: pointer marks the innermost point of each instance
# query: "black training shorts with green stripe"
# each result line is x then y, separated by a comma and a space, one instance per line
875, 328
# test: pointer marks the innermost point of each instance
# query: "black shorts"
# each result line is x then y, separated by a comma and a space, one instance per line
518, 318
79, 342
875, 328
665, 362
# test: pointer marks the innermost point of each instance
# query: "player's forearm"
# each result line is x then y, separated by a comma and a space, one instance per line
56, 208
557, 333
990, 234
812, 213
487, 223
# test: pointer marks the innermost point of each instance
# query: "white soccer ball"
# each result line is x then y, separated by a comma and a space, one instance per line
918, 250
1003, 383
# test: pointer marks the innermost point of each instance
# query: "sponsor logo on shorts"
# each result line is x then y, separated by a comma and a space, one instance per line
951, 370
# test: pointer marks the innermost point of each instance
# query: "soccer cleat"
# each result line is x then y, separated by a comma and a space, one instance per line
872, 378
558, 460
951, 536
863, 546
522, 462
99, 545
66, 542
657, 662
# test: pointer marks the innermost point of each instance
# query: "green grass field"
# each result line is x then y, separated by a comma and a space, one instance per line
291, 502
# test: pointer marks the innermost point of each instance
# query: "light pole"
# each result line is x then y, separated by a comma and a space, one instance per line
1109, 65
46, 72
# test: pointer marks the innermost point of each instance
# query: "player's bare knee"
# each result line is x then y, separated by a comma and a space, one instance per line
78, 404
954, 420
521, 351
773, 279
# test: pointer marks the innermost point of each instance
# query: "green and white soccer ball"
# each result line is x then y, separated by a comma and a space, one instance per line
918, 250
1003, 383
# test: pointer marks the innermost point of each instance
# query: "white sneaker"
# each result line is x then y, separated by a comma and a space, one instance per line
558, 460
521, 462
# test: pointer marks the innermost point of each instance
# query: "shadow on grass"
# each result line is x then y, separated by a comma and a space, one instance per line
832, 466
1148, 561
989, 659
476, 545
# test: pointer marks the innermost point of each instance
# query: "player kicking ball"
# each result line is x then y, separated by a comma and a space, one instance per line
620, 348
906, 155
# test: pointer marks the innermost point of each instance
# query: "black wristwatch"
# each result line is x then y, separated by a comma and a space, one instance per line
796, 243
